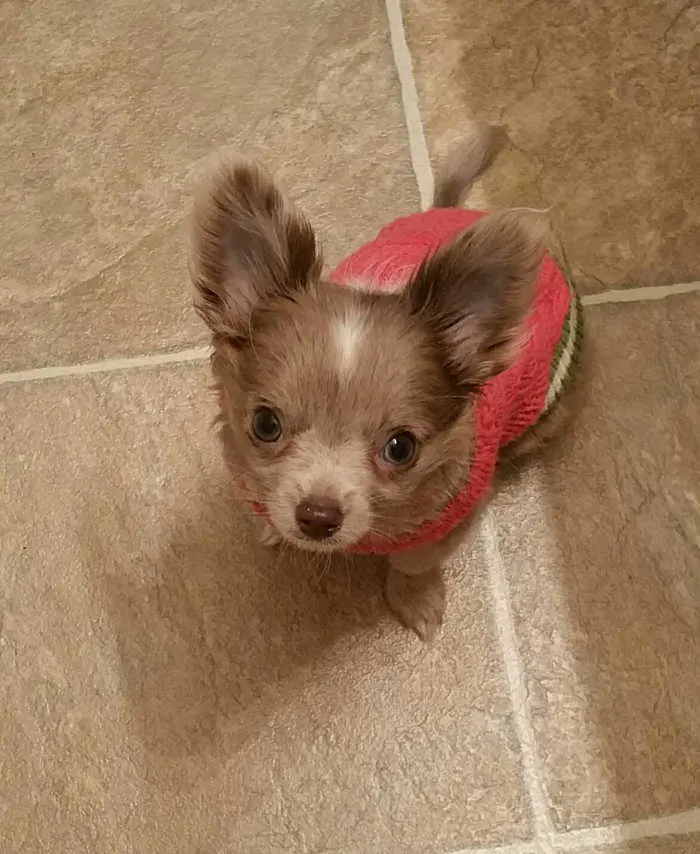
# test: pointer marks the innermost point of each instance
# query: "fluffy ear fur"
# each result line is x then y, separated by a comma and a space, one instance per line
475, 292
249, 245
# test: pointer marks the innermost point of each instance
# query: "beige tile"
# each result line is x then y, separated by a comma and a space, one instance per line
601, 541
170, 686
108, 117
601, 99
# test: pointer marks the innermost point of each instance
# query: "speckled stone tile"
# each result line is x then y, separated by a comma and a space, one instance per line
106, 118
602, 102
601, 542
170, 686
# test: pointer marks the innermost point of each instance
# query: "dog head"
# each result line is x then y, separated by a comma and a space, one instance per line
348, 412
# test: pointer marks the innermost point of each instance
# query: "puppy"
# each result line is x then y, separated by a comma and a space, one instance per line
365, 411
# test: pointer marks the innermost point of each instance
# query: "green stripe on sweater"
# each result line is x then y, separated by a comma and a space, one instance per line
566, 353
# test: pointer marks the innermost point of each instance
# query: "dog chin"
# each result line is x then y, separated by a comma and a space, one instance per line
317, 547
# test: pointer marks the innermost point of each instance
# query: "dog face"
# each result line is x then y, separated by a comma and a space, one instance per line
348, 412
340, 411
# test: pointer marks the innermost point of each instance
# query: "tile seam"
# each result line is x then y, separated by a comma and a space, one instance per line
659, 827
517, 684
153, 360
646, 293
418, 147
512, 848
676, 824
651, 293
420, 158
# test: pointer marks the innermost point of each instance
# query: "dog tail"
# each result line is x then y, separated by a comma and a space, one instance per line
469, 159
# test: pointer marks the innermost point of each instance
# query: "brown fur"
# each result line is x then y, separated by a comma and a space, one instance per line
345, 368
466, 162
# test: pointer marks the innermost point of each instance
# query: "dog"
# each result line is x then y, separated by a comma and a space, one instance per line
366, 411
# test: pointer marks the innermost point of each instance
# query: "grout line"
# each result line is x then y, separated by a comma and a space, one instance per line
513, 848
422, 168
651, 828
420, 158
192, 354
678, 824
517, 684
417, 145
643, 294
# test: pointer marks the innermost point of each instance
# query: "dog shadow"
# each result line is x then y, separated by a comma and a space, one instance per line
215, 633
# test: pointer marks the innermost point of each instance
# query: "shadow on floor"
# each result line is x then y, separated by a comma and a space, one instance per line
217, 633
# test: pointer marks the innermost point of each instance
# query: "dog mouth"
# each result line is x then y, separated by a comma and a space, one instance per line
327, 546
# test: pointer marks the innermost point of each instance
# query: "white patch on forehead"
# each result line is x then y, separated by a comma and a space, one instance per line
370, 286
348, 332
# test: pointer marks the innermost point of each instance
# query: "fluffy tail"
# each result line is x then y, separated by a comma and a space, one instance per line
467, 161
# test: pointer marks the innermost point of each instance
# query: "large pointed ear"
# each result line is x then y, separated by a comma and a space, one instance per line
474, 293
249, 244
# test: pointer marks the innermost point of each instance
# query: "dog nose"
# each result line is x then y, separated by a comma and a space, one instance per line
318, 519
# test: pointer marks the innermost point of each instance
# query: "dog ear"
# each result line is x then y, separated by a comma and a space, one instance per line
475, 292
249, 245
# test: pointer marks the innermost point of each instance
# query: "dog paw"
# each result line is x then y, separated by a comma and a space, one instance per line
417, 600
266, 534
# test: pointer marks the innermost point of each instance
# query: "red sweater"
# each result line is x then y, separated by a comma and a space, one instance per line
509, 403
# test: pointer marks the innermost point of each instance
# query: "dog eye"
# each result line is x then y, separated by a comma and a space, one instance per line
266, 424
401, 449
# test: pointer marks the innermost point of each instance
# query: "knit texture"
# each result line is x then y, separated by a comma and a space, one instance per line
510, 403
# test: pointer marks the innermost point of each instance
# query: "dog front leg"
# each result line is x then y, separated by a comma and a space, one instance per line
415, 592
415, 587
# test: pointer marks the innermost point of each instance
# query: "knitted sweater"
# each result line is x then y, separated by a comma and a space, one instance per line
509, 403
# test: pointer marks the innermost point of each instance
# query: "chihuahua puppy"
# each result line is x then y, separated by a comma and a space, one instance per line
366, 410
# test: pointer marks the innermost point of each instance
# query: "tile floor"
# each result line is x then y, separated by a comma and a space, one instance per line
168, 686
